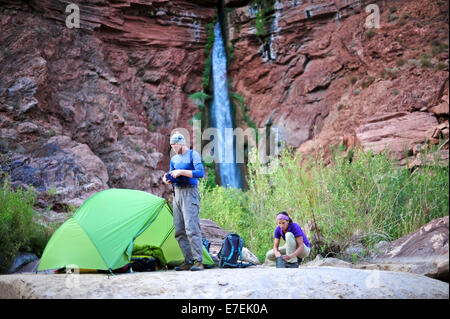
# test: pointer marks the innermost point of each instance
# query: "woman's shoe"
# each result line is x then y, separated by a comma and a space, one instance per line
292, 265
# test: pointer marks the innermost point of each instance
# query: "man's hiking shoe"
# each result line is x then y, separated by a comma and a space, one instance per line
280, 262
292, 265
183, 266
197, 266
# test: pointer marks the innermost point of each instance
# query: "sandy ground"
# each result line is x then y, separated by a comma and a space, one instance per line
258, 282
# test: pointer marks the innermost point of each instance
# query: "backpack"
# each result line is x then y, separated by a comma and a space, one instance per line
231, 251
206, 243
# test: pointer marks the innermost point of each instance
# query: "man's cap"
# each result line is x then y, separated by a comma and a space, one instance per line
177, 138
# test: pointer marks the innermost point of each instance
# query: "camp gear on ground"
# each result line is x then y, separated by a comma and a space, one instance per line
206, 243
280, 262
230, 254
140, 264
148, 251
103, 231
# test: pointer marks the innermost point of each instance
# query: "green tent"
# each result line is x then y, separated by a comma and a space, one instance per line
102, 232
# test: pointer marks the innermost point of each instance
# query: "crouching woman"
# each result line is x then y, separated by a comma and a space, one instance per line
296, 246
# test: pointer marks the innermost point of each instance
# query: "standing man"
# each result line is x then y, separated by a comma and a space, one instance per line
185, 168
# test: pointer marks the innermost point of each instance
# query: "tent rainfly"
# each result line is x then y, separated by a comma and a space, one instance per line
102, 232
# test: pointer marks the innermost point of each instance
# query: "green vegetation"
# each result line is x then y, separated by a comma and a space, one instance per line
151, 127
368, 198
367, 82
389, 73
370, 33
236, 97
400, 62
208, 48
18, 231
441, 66
263, 16
425, 60
210, 181
392, 17
200, 99
437, 47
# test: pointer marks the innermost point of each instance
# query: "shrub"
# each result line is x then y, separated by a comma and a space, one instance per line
438, 47
389, 73
18, 231
425, 61
400, 62
370, 33
367, 82
392, 17
441, 66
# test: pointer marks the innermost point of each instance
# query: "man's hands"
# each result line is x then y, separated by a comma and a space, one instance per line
177, 173
165, 180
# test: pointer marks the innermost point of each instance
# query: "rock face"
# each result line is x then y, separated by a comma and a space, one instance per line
424, 252
120, 83
316, 72
110, 91
255, 282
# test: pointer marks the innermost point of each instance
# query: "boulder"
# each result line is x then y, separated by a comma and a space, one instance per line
424, 251
328, 262
396, 132
21, 260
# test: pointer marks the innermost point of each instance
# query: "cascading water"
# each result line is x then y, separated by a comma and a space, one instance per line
221, 116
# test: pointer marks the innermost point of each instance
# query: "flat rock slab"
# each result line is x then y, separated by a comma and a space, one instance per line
254, 282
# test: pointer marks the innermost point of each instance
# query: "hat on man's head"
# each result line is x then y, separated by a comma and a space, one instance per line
177, 138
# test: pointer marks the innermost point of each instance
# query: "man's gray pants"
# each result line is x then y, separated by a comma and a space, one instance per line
186, 206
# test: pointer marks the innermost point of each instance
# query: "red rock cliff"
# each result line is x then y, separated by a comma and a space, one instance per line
315, 71
86, 109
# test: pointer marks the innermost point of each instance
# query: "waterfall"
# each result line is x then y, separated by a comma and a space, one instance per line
221, 118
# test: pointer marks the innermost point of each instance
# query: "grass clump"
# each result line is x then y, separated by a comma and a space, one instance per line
367, 82
18, 230
370, 33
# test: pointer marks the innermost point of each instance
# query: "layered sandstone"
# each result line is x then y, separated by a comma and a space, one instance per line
319, 74
86, 109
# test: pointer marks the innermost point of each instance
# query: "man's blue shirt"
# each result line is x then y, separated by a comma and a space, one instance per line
191, 160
